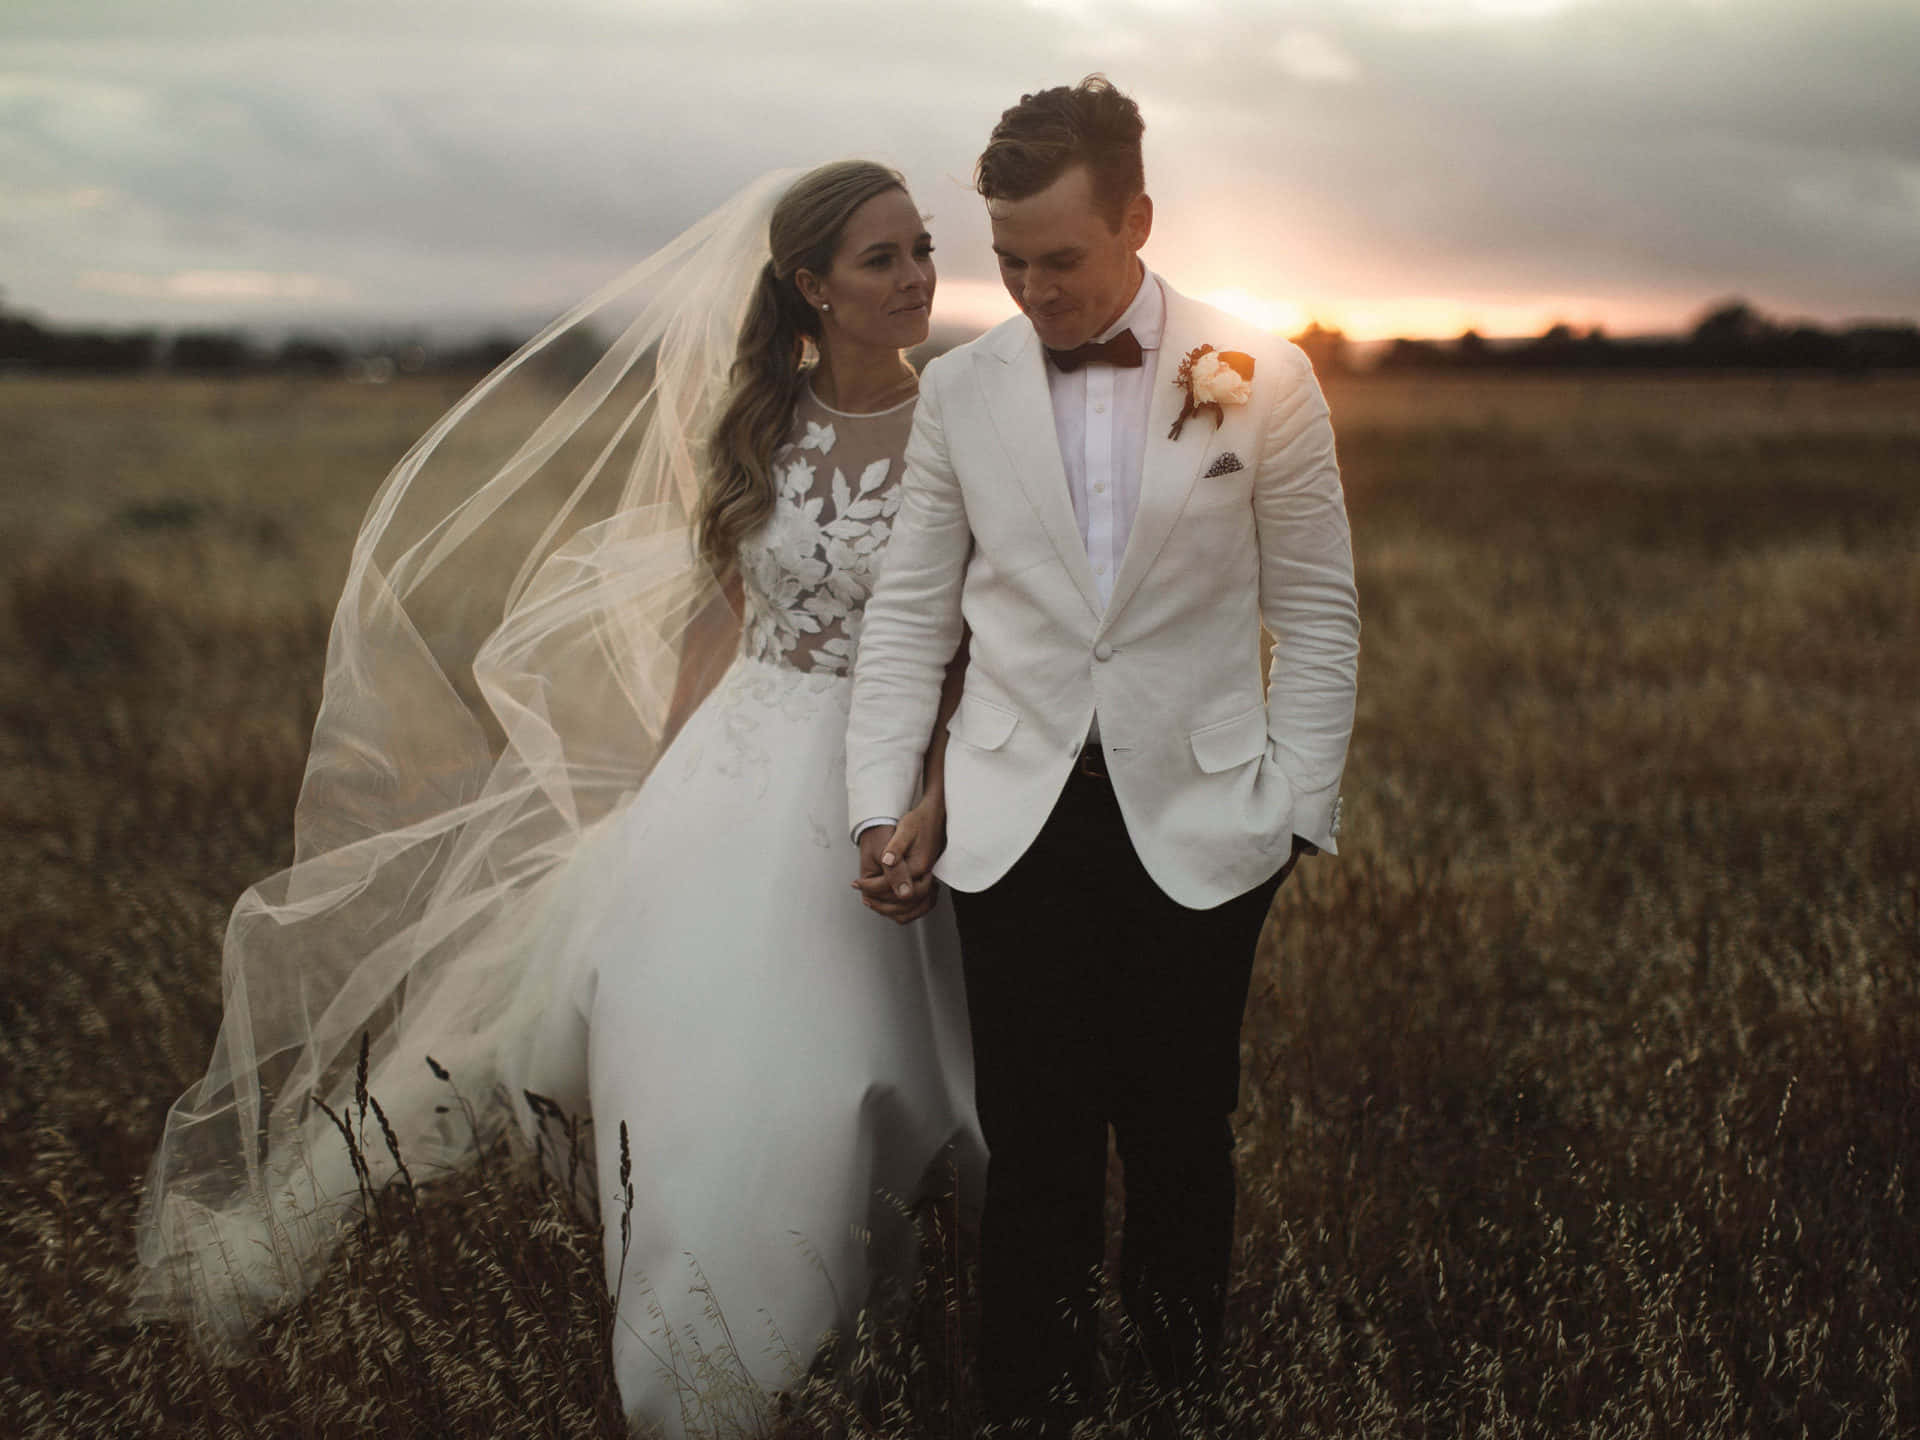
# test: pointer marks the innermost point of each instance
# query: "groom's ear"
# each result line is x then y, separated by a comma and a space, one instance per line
1136, 221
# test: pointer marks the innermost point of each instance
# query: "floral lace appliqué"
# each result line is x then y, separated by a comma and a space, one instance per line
809, 569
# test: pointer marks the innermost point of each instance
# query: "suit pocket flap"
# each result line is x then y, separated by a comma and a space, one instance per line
1231, 742
982, 725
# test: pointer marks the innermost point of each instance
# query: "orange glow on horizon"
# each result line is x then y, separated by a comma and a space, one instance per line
1434, 317
978, 304
1282, 317
1416, 317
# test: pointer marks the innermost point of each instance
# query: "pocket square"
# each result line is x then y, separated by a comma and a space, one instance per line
1225, 465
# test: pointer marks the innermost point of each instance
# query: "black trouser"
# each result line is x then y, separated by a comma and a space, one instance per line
1096, 1000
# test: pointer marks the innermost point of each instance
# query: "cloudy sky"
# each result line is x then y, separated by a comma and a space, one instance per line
1389, 166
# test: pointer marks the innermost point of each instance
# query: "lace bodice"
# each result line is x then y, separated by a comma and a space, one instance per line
808, 571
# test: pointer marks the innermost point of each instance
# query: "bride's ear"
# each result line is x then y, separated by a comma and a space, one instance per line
811, 289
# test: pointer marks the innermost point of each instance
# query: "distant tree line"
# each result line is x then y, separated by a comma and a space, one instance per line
1731, 335
28, 344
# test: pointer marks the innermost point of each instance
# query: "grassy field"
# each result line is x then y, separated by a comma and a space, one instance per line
1581, 1089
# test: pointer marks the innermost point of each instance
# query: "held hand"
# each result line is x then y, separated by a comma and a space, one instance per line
896, 866
874, 842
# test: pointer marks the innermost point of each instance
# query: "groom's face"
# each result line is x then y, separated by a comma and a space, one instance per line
1070, 272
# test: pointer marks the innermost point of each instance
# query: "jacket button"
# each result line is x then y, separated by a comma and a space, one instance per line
1103, 651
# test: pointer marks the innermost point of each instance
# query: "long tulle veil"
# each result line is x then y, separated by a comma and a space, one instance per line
523, 599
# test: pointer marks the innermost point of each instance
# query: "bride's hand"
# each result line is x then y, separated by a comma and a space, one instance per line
896, 878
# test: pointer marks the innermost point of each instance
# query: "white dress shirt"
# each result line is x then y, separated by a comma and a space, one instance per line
1100, 415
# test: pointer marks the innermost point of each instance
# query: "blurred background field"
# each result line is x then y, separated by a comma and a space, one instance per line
1580, 1090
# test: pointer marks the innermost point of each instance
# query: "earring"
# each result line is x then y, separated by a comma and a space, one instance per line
825, 305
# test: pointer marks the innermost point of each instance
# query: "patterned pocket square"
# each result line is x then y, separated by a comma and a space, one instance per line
1225, 465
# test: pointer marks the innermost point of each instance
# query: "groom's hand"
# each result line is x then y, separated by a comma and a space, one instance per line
896, 868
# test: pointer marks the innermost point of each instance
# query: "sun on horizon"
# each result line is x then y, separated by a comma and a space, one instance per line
1420, 317
1364, 319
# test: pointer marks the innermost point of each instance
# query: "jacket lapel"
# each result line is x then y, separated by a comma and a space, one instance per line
1168, 468
1013, 374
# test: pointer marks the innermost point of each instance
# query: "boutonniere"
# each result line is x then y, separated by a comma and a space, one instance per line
1212, 378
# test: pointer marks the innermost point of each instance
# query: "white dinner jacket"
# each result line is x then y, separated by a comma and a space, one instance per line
1237, 525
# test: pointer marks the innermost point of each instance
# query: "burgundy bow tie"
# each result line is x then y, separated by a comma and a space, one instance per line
1122, 350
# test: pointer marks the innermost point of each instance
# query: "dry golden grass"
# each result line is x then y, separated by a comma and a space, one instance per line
1581, 1088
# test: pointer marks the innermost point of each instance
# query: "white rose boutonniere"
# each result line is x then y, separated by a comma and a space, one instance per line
1212, 378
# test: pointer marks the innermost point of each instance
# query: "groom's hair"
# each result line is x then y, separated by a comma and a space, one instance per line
1047, 133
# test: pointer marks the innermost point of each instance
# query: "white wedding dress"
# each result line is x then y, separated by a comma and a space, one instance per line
786, 1063
511, 878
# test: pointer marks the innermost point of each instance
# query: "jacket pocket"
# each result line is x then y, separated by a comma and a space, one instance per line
981, 724
1231, 742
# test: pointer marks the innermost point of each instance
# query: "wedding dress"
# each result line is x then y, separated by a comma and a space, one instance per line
786, 1062
512, 877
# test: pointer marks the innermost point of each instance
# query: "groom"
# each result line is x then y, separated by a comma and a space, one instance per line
1111, 491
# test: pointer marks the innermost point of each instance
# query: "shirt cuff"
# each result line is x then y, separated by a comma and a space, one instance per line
866, 825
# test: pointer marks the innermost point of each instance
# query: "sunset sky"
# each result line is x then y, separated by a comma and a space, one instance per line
1384, 166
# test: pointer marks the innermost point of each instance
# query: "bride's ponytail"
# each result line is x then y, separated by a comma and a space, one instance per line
767, 373
765, 384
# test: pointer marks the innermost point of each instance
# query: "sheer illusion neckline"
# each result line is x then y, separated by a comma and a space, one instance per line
814, 396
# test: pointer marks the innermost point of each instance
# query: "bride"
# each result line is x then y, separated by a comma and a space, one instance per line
573, 828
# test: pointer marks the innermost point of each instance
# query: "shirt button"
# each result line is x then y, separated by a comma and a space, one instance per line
1100, 487
1100, 569
1100, 409
1103, 651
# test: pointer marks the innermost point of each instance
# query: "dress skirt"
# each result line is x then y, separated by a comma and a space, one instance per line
787, 1065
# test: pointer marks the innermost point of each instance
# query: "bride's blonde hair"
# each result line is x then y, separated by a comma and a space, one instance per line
765, 381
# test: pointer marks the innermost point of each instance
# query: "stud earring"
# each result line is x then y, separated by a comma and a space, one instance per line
825, 305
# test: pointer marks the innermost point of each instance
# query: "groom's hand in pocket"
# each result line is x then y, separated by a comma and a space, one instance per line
896, 865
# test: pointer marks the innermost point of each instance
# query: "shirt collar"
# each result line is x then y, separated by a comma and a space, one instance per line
1145, 315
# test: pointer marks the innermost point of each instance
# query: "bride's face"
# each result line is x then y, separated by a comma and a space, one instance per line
879, 291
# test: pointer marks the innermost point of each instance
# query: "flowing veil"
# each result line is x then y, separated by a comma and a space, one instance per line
523, 603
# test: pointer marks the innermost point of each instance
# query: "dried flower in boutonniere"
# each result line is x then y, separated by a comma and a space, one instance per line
1212, 378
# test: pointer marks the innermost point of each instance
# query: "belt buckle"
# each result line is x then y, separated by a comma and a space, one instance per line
1092, 762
